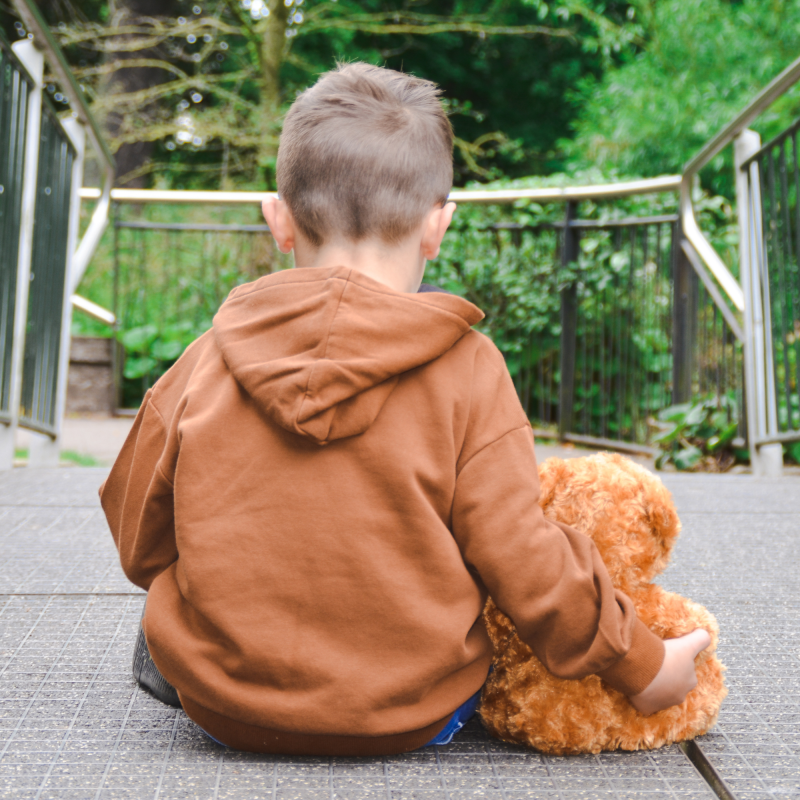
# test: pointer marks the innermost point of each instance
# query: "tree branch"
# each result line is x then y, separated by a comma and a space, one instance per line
427, 25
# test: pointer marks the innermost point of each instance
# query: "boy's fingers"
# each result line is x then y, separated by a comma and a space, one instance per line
700, 639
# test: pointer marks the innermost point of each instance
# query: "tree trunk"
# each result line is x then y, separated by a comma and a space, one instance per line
132, 156
272, 54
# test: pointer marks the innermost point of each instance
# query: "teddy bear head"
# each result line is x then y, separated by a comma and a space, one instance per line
632, 517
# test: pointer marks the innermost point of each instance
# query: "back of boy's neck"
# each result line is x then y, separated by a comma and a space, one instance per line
400, 267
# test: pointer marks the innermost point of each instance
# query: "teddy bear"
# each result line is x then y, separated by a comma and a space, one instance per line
631, 518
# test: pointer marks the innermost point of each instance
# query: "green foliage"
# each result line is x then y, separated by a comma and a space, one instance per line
79, 459
699, 436
792, 451
212, 112
151, 351
703, 60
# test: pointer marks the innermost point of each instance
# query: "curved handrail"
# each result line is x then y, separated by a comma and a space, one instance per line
665, 183
705, 250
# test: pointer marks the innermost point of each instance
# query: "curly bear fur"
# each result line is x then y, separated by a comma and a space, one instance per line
631, 518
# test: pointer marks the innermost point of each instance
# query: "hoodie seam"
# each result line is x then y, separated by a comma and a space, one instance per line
489, 444
324, 356
160, 416
348, 279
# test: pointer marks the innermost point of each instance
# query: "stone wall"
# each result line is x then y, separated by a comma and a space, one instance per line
90, 387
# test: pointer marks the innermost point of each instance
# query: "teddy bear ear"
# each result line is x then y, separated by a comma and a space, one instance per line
658, 525
554, 475
664, 522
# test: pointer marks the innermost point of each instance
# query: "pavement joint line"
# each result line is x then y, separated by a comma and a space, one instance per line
39, 506
695, 754
599, 762
496, 774
386, 781
73, 594
120, 733
442, 778
219, 775
556, 784
167, 755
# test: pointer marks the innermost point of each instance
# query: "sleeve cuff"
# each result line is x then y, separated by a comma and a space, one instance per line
634, 672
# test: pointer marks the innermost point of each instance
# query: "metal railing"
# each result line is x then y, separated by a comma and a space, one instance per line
766, 267
583, 309
41, 257
48, 276
772, 174
15, 88
719, 326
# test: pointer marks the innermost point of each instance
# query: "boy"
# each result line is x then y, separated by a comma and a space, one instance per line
322, 491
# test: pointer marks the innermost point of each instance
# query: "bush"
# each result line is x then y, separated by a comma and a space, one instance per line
699, 436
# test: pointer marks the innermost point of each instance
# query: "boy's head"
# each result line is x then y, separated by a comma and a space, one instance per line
365, 153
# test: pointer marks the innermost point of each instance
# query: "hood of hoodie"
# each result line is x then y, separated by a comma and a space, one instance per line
321, 349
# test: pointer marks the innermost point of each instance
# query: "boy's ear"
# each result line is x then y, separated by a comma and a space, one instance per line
281, 225
435, 228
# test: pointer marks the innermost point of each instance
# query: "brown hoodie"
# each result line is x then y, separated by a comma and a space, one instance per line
320, 494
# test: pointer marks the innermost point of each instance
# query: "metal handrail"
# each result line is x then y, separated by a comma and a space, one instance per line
42, 37
666, 183
692, 231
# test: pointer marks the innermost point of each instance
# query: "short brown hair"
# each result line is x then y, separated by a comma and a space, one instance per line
366, 151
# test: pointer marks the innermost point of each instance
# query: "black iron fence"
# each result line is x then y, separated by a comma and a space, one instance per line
603, 323
585, 312
15, 88
779, 178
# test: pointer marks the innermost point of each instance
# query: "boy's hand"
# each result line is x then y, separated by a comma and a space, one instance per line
677, 677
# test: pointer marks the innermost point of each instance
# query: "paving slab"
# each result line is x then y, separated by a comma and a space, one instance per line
739, 555
73, 724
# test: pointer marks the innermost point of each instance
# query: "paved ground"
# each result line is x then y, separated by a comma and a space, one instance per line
74, 725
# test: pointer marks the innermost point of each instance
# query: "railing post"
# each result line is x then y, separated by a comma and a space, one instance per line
33, 61
767, 460
569, 325
684, 319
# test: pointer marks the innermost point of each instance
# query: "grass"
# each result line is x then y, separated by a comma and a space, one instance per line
67, 457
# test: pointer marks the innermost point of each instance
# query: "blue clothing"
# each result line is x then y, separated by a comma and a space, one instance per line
459, 719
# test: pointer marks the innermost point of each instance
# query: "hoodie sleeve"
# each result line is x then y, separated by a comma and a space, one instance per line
547, 577
137, 499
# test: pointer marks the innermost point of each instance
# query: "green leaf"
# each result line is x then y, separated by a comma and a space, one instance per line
674, 413
688, 457
724, 438
166, 351
669, 434
139, 367
137, 340
695, 415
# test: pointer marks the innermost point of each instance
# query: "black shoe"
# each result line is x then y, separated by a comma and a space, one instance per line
148, 676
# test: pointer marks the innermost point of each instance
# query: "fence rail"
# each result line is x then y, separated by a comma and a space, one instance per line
583, 310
